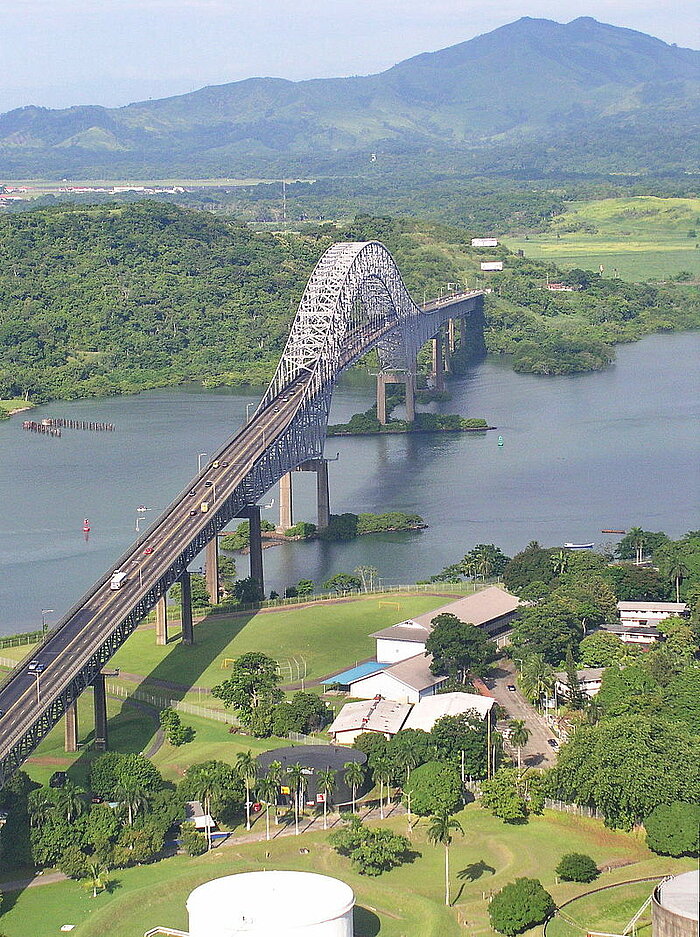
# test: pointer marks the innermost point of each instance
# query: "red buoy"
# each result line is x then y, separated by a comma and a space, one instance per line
86, 526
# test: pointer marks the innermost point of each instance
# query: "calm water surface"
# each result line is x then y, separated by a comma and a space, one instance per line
581, 453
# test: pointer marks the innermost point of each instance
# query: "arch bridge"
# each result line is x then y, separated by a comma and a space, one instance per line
355, 300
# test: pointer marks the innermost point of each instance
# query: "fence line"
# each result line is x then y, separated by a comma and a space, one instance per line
307, 739
162, 702
16, 640
578, 809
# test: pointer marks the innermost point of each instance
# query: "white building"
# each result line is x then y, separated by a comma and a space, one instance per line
385, 717
484, 242
589, 680
633, 634
491, 609
649, 613
194, 813
492, 265
426, 713
408, 681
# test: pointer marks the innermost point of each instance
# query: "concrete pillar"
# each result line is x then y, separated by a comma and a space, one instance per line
451, 335
71, 727
211, 569
256, 553
410, 397
381, 398
186, 609
286, 506
323, 501
446, 353
161, 621
100, 700
438, 370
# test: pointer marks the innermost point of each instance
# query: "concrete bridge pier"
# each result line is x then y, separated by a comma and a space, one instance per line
100, 701
71, 728
161, 621
323, 502
390, 377
211, 569
452, 335
255, 546
438, 362
286, 503
186, 609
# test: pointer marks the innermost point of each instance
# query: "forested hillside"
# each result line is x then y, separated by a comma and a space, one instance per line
534, 94
108, 299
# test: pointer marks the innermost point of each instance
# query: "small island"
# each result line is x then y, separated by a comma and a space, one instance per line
367, 424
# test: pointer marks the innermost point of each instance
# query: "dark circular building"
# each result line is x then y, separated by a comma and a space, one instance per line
313, 759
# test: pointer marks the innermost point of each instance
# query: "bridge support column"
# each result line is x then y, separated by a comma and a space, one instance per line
286, 507
381, 398
256, 553
100, 700
447, 357
438, 369
323, 499
186, 609
161, 621
451, 335
410, 397
71, 728
211, 569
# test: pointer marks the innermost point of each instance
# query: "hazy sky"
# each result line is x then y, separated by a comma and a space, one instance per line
61, 52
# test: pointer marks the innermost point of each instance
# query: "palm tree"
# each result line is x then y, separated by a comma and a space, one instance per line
326, 781
295, 773
381, 768
440, 831
71, 801
519, 734
268, 789
97, 878
208, 786
40, 803
560, 562
674, 567
354, 775
637, 540
133, 795
275, 772
247, 768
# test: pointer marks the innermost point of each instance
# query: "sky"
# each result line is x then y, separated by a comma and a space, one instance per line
56, 53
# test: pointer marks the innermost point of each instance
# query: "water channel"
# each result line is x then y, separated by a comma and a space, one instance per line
581, 453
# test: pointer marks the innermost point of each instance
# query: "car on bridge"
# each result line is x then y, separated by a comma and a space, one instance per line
148, 551
35, 666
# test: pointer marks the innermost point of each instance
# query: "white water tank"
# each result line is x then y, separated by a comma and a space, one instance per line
272, 904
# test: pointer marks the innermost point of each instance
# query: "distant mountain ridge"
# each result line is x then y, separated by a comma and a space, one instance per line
531, 85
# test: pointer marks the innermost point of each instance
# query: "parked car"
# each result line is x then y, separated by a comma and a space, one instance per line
511, 687
552, 743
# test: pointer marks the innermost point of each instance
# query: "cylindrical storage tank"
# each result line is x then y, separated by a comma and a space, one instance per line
272, 904
674, 906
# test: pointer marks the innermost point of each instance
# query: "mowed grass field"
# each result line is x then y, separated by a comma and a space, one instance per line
405, 902
638, 238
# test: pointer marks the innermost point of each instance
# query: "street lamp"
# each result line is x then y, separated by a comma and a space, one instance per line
44, 613
38, 695
247, 410
199, 461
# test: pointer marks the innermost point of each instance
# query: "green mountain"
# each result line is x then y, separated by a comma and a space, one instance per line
532, 93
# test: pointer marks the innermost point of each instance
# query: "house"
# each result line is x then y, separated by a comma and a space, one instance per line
385, 717
346, 678
589, 680
426, 713
194, 813
408, 681
484, 242
649, 613
491, 609
492, 265
633, 634
560, 288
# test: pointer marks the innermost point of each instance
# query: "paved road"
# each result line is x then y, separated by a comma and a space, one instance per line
537, 753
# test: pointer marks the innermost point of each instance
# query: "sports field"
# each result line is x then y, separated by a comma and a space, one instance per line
634, 238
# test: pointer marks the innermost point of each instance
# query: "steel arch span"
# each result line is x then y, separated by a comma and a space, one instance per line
354, 300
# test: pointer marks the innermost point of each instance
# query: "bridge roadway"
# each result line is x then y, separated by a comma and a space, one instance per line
81, 634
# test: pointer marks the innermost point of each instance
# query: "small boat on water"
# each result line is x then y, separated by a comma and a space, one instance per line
609, 530
579, 546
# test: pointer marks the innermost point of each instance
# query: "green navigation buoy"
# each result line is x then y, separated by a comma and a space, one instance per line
500, 440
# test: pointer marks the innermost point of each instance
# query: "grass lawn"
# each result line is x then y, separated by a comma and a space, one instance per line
640, 238
328, 636
14, 403
405, 902
607, 912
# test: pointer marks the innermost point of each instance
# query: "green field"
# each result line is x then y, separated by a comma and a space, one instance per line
405, 902
15, 403
636, 238
606, 911
329, 636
